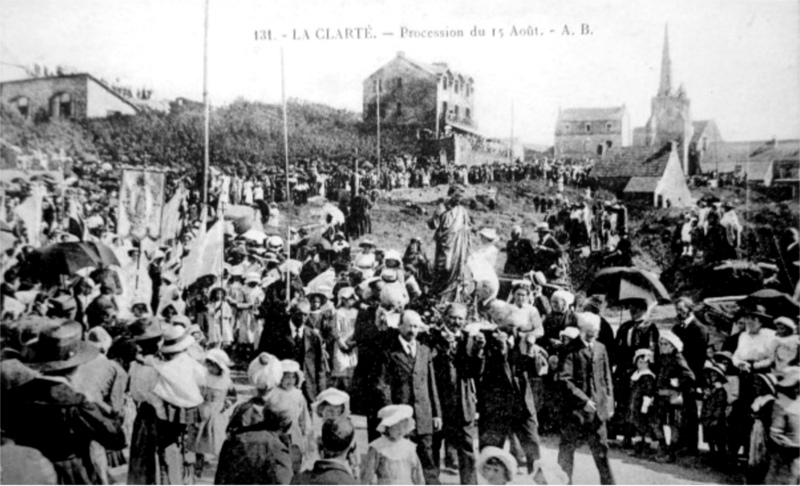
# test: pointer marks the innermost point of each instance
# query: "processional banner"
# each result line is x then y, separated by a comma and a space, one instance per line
141, 202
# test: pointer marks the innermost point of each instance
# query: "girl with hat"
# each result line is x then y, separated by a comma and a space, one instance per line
713, 417
218, 319
218, 395
179, 382
642, 397
392, 458
674, 383
247, 300
787, 349
301, 429
344, 325
496, 465
784, 432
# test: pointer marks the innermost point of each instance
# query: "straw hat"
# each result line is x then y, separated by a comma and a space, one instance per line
489, 233
332, 396
219, 357
145, 328
570, 332
543, 228
673, 339
649, 356
495, 452
568, 297
715, 368
61, 347
394, 414
265, 372
785, 321
346, 293
292, 366
176, 339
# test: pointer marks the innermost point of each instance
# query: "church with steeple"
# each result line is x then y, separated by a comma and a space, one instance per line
670, 114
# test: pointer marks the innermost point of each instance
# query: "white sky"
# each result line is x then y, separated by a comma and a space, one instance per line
739, 60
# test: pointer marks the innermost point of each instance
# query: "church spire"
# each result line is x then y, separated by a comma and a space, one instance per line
665, 87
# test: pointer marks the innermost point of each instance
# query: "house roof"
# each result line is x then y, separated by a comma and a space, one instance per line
633, 162
752, 157
591, 114
642, 184
434, 69
80, 75
699, 128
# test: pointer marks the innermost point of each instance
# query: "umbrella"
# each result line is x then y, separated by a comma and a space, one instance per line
64, 259
734, 277
776, 303
624, 283
106, 255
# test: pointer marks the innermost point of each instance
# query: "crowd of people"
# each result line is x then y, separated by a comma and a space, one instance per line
424, 346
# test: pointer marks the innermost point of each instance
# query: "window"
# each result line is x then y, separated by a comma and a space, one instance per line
566, 127
456, 108
468, 114
444, 84
608, 127
608, 144
588, 128
444, 108
469, 90
61, 105
399, 110
705, 143
399, 83
23, 105
455, 86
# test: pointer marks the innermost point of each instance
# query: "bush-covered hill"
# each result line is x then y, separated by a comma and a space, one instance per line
244, 136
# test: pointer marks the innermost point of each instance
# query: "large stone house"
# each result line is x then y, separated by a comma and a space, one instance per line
590, 132
425, 95
72, 96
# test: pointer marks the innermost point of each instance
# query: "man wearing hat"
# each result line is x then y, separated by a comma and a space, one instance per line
519, 253
408, 378
64, 422
585, 372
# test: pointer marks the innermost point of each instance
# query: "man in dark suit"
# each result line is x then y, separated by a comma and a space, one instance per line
456, 368
408, 378
505, 401
695, 342
333, 466
295, 339
585, 372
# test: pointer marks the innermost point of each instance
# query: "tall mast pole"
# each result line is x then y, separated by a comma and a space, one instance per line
511, 139
378, 122
207, 114
286, 171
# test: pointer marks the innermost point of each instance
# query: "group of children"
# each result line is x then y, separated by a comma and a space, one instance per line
280, 407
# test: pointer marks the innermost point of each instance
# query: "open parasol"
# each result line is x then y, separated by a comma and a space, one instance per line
775, 302
626, 283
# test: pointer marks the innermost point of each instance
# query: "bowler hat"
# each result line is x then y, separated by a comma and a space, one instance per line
145, 328
62, 347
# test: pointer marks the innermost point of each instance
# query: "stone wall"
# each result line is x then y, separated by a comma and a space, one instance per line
408, 95
40, 93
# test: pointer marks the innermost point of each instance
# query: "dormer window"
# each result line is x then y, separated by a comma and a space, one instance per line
608, 127
588, 128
